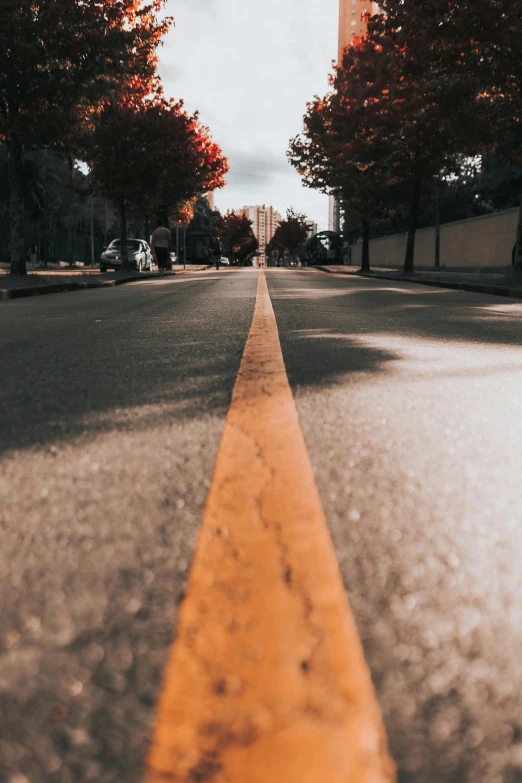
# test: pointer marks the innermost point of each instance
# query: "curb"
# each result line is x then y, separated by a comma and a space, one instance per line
493, 290
78, 285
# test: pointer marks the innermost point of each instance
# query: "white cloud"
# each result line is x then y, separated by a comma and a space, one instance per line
250, 68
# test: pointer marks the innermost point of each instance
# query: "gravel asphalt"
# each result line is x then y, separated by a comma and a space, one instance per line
112, 404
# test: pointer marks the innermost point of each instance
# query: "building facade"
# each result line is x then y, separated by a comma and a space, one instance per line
351, 20
265, 221
312, 228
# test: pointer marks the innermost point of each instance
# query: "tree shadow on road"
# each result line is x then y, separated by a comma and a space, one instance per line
401, 392
69, 374
330, 332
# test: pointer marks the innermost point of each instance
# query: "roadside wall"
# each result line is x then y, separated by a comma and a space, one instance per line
485, 242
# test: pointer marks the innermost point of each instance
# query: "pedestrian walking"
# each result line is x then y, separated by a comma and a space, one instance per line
161, 246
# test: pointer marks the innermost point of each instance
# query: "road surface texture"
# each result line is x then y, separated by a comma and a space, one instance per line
410, 400
112, 405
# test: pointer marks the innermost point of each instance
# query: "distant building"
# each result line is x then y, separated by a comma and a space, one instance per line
312, 228
352, 22
265, 221
211, 198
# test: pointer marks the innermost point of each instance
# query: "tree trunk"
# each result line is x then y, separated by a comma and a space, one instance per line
412, 231
518, 246
16, 208
365, 262
437, 226
122, 211
104, 223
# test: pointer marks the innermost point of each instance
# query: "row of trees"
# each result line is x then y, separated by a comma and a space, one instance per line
79, 77
432, 89
236, 235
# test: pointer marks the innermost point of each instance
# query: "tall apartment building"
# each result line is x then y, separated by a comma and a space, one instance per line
351, 20
265, 220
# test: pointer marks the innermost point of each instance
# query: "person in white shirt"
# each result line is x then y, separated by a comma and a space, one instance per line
161, 246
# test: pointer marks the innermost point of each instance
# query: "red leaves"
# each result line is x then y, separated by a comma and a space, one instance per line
155, 155
61, 58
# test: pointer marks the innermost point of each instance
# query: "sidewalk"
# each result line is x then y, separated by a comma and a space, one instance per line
54, 280
502, 283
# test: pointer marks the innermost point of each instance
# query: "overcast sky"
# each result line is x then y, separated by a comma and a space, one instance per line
249, 68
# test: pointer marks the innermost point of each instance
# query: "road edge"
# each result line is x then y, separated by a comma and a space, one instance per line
7, 295
512, 293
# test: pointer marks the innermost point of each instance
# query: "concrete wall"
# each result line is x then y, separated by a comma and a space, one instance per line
485, 242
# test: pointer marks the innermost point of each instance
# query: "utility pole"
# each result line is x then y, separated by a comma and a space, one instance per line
437, 225
92, 230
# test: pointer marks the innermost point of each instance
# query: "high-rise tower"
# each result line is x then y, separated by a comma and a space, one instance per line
351, 20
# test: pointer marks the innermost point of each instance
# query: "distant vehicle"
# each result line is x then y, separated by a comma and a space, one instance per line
326, 247
140, 255
224, 261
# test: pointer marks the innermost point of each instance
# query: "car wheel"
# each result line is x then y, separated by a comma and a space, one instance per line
103, 268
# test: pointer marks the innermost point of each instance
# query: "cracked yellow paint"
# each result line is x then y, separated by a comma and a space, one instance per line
267, 681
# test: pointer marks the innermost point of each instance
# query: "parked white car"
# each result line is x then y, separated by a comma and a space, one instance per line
140, 255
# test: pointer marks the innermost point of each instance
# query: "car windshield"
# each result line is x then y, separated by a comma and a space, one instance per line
132, 244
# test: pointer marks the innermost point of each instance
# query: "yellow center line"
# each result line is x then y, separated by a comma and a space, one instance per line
267, 680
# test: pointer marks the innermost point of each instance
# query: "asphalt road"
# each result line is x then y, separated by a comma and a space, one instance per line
112, 404
111, 409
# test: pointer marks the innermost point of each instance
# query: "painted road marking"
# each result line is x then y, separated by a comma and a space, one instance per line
267, 680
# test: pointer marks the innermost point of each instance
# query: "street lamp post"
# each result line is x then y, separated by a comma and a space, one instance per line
92, 231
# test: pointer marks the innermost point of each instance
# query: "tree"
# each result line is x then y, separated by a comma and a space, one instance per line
189, 162
59, 59
58, 217
498, 185
153, 156
341, 149
408, 112
291, 234
470, 52
236, 236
